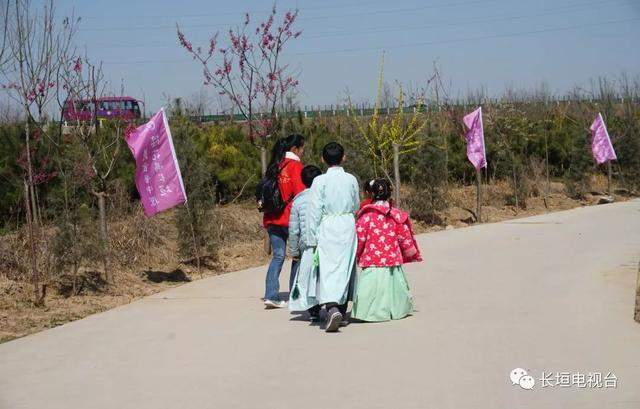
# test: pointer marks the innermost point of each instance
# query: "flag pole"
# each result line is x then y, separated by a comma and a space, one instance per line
479, 195
636, 315
609, 177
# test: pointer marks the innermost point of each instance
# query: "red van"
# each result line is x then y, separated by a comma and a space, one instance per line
126, 108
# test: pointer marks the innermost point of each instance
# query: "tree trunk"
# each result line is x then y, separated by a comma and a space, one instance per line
446, 160
396, 172
266, 243
479, 195
38, 290
104, 239
547, 188
194, 243
35, 211
75, 279
636, 316
515, 183
609, 178
263, 158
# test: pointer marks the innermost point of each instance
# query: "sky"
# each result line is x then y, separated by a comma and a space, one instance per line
490, 44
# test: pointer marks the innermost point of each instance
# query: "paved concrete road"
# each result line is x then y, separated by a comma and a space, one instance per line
551, 293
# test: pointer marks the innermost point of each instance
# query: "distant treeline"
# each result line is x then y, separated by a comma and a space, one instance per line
367, 109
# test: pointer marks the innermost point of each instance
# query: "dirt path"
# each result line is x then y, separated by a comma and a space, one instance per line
551, 293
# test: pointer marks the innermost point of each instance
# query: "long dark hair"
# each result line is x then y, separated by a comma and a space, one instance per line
280, 148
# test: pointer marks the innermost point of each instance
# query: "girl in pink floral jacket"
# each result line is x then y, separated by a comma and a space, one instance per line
385, 243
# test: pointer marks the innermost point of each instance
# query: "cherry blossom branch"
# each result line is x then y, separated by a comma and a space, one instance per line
248, 70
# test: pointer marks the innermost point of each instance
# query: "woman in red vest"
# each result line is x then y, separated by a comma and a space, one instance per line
287, 167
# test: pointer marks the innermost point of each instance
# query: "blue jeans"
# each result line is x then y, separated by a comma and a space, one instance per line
278, 237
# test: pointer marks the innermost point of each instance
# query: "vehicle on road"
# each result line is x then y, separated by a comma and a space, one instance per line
126, 108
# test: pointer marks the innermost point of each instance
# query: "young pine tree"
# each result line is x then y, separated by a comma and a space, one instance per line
196, 219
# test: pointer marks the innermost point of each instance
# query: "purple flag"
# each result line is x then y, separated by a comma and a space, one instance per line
600, 142
158, 177
475, 139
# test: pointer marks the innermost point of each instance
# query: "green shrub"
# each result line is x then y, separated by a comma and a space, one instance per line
197, 227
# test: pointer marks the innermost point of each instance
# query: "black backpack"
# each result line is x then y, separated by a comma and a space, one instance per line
269, 197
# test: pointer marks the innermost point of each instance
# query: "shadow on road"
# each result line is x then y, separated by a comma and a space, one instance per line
175, 276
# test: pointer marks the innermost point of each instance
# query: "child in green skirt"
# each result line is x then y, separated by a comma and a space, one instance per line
385, 242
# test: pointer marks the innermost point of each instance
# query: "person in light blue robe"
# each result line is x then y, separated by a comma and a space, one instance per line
302, 295
334, 200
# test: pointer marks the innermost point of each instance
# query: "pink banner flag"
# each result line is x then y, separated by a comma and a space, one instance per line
475, 139
600, 142
158, 177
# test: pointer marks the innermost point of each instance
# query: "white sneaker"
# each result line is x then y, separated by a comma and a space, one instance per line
270, 304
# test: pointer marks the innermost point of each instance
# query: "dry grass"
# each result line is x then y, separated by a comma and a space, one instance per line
138, 245
495, 207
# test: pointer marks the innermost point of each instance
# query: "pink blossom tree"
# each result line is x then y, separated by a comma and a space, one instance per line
35, 41
4, 32
249, 71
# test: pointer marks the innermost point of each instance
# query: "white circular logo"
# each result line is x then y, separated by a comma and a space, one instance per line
527, 382
516, 374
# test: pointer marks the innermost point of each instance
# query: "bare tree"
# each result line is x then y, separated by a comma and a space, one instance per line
101, 144
35, 41
250, 72
386, 101
440, 97
198, 104
5, 8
